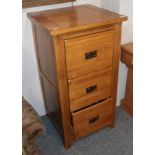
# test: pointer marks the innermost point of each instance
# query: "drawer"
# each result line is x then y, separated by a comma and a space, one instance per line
89, 53
86, 90
92, 118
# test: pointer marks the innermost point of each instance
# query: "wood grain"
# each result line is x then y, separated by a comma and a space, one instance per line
48, 75
116, 57
79, 98
63, 90
127, 48
78, 51
127, 54
129, 83
81, 120
102, 43
127, 58
88, 31
72, 19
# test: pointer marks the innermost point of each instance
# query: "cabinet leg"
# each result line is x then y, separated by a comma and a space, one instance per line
67, 144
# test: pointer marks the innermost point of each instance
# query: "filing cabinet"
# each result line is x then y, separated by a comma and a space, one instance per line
78, 50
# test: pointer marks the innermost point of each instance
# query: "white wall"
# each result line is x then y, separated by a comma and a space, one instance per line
31, 86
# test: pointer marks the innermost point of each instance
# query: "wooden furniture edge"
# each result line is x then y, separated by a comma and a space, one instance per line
126, 51
36, 3
55, 31
116, 57
126, 108
123, 48
63, 90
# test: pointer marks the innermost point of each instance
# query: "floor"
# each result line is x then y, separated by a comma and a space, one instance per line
107, 141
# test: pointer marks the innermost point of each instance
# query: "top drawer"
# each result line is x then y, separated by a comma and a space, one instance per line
89, 53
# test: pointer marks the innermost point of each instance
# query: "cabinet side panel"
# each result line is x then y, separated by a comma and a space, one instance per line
52, 103
48, 75
46, 55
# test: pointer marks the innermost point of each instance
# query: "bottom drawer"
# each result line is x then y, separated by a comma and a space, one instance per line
92, 118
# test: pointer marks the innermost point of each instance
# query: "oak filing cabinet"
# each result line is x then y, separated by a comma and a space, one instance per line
78, 51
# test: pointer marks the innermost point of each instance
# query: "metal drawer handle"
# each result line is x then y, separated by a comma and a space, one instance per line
90, 54
94, 119
91, 89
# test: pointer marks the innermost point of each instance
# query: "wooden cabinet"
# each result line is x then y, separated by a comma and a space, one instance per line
127, 58
78, 51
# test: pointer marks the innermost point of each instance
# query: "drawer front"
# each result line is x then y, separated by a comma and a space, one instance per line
92, 118
86, 90
89, 53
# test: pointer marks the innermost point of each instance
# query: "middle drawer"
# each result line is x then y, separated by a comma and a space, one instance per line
86, 90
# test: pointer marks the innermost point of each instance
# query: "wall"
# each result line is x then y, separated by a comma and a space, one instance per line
31, 86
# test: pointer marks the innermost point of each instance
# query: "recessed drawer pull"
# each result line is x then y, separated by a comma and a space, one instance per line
90, 54
91, 89
94, 119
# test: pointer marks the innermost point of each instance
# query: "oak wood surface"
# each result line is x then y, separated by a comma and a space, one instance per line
127, 54
127, 48
79, 98
78, 51
127, 102
88, 31
127, 107
48, 75
51, 76
129, 82
116, 58
63, 90
127, 58
70, 19
101, 43
81, 120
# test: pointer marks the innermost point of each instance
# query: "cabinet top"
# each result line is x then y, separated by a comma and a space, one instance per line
128, 48
70, 19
